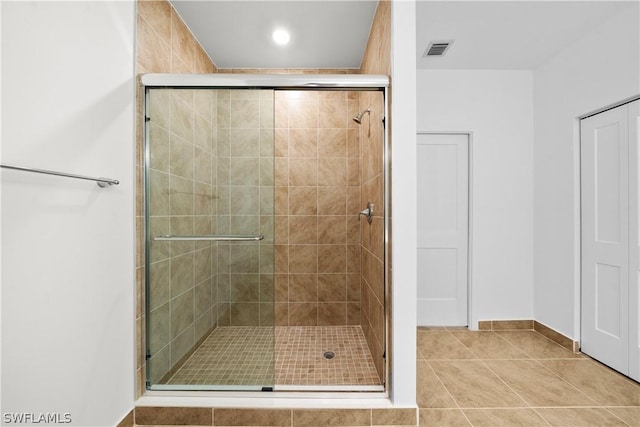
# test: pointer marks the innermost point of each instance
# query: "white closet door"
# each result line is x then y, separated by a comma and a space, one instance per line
442, 229
605, 237
634, 246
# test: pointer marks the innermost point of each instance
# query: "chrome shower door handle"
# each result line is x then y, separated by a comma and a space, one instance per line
368, 212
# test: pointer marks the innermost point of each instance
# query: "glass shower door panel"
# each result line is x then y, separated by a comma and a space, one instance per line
209, 219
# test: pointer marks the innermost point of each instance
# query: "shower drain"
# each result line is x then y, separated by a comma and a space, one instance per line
328, 355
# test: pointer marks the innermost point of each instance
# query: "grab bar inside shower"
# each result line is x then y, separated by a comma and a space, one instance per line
102, 182
221, 238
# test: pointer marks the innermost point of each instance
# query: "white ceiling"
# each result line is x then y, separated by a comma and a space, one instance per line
505, 34
237, 34
514, 34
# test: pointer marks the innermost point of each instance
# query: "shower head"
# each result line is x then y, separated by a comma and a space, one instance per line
358, 118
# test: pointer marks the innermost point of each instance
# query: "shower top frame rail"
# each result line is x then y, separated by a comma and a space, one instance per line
101, 181
281, 81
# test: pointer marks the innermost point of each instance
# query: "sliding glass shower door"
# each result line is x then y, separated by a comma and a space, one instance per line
210, 232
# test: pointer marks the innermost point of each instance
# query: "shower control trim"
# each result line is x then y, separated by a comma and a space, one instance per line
368, 212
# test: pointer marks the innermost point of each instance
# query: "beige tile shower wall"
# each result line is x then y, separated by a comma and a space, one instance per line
377, 55
317, 239
372, 234
182, 298
163, 44
245, 195
375, 61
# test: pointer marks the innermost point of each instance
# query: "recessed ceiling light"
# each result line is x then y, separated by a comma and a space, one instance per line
281, 36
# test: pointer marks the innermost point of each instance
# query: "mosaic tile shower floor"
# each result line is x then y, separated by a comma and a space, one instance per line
242, 355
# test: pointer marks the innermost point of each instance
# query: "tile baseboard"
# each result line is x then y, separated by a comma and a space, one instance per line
527, 325
152, 416
505, 325
556, 337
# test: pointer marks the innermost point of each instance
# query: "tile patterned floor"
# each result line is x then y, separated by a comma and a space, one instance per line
238, 355
516, 378
232, 356
465, 378
300, 361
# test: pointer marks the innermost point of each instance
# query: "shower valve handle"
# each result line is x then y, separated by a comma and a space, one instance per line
368, 212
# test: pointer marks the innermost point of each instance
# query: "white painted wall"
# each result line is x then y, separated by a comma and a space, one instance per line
67, 246
403, 195
497, 108
597, 70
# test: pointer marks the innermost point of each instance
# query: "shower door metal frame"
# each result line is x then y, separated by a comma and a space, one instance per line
350, 82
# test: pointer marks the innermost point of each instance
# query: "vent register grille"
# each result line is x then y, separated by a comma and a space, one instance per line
437, 48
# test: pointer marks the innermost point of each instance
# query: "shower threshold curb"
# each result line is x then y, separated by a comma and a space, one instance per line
284, 400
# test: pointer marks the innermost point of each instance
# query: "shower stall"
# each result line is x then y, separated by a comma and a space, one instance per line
266, 215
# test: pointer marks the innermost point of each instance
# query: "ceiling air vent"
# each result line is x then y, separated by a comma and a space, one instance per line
437, 48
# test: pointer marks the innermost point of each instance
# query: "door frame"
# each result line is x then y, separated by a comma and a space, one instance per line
577, 160
471, 321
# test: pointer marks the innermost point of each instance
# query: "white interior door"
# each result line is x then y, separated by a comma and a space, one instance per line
634, 235
607, 200
443, 231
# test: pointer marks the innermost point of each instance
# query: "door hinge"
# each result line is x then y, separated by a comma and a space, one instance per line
384, 122
147, 356
267, 388
147, 118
